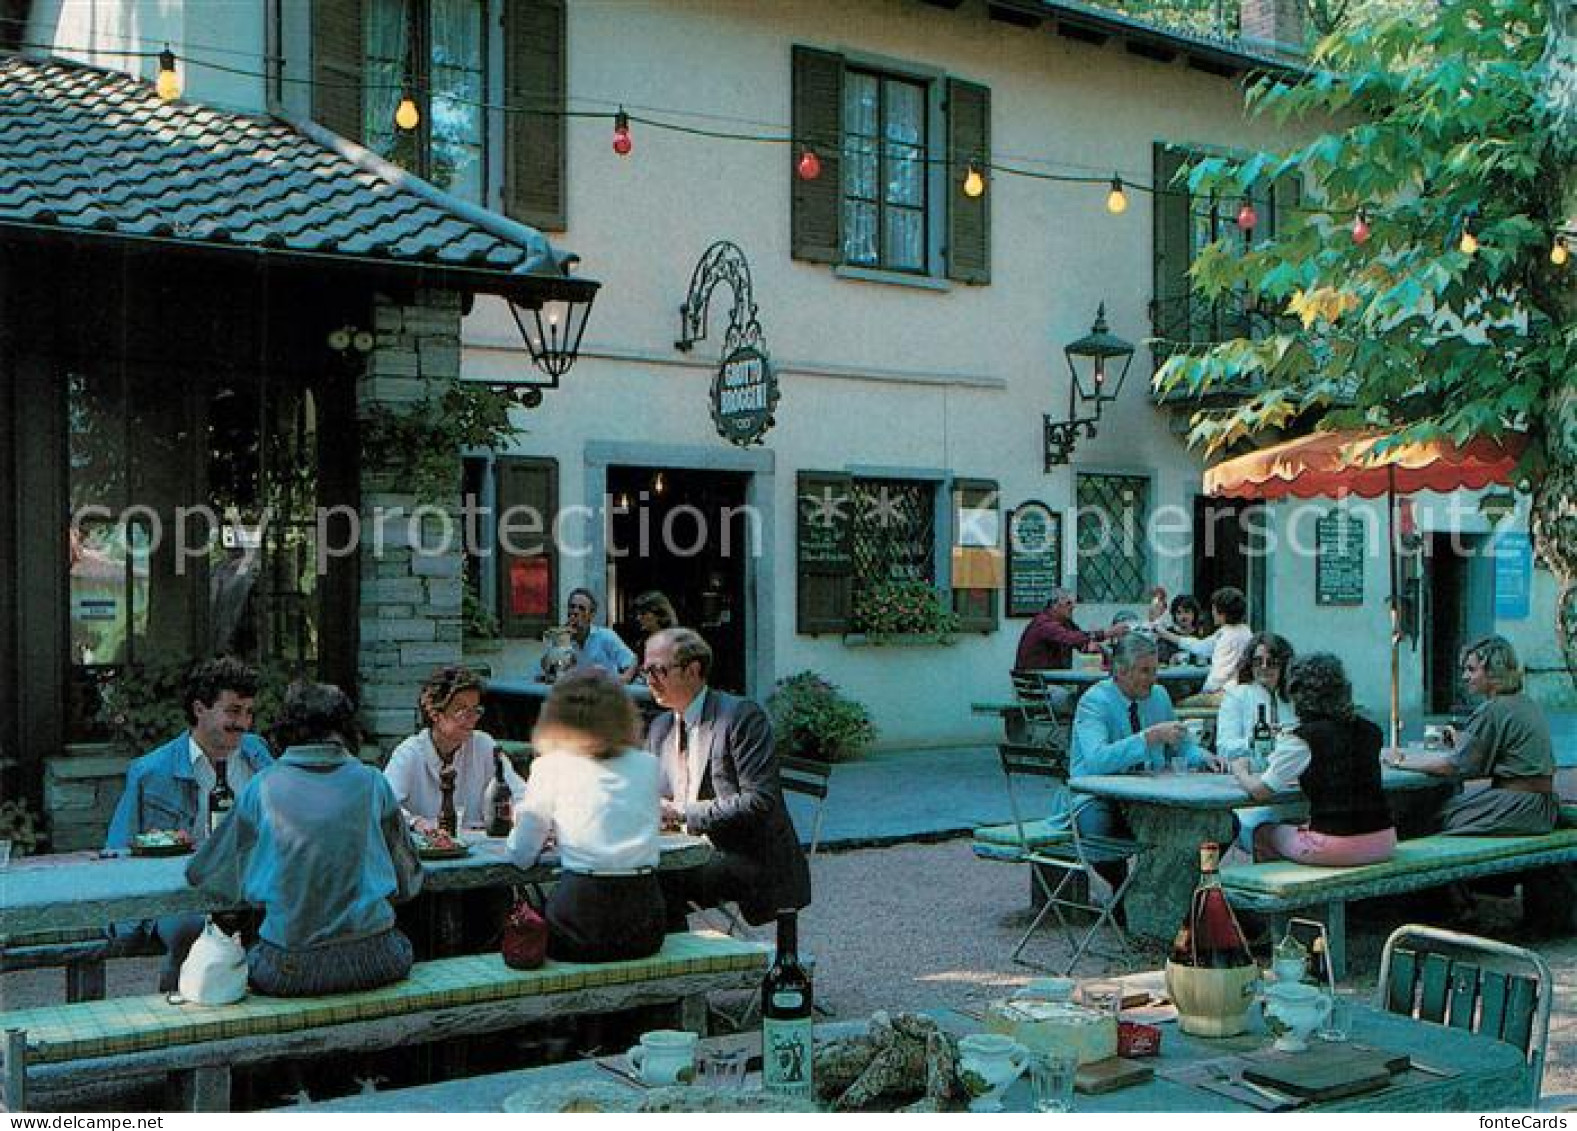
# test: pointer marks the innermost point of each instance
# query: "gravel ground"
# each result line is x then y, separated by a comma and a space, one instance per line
922, 926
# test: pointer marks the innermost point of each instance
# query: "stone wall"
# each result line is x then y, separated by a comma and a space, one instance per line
412, 558
81, 790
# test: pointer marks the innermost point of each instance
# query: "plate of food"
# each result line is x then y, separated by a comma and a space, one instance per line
435, 844
162, 842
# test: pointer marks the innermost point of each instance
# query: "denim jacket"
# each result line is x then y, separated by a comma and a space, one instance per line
161, 792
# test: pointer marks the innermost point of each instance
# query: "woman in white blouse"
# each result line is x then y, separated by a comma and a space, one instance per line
1260, 686
1223, 649
450, 706
595, 792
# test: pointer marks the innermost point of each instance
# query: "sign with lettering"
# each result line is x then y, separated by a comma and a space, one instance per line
1034, 557
1513, 575
826, 526
1339, 546
744, 396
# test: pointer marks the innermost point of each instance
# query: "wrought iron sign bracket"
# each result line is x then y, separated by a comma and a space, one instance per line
745, 389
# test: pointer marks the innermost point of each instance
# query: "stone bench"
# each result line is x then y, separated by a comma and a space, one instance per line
1279, 886
56, 1051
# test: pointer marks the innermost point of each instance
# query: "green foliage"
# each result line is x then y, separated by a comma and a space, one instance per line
141, 703
419, 447
1441, 123
903, 608
480, 624
21, 826
811, 718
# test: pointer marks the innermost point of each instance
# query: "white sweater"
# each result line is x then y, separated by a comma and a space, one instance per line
604, 811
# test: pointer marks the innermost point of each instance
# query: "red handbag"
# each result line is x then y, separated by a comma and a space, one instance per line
525, 943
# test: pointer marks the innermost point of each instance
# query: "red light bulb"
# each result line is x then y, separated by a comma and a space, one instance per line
1247, 217
809, 167
621, 134
1360, 228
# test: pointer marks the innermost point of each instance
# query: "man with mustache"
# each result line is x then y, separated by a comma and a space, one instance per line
168, 788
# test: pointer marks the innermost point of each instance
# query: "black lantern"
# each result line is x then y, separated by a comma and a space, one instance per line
552, 321
1098, 363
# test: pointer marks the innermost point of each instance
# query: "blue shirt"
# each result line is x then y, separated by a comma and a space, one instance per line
318, 841
603, 649
161, 790
1105, 741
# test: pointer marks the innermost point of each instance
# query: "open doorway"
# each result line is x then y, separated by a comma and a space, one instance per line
1229, 550
1461, 609
686, 533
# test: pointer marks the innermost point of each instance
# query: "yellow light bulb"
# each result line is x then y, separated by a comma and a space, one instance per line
1559, 253
168, 83
974, 183
1468, 244
407, 116
1117, 199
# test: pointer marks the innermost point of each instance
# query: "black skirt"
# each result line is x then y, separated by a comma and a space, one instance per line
604, 918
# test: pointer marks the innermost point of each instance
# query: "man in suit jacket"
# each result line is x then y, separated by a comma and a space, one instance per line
719, 778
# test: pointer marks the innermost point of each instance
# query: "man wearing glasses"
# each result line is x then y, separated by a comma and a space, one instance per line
719, 778
594, 646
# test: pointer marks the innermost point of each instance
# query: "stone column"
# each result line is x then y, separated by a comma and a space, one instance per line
412, 555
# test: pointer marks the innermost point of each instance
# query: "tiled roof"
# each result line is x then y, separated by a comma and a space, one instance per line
90, 151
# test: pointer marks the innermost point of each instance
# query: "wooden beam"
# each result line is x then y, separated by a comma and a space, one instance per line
1082, 34
1150, 51
1009, 14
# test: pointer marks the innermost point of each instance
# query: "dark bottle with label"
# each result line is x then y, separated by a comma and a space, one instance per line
448, 819
221, 798
786, 1013
1262, 741
1210, 935
499, 799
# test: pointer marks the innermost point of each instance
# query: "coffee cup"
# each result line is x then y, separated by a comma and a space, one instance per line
664, 1056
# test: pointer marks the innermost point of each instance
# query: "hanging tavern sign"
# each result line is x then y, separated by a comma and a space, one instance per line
745, 389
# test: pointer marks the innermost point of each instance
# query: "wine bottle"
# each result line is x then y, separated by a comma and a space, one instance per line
1214, 938
786, 1013
448, 819
499, 800
221, 798
1262, 741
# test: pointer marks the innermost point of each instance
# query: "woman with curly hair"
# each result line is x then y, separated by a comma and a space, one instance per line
595, 791
1507, 741
1333, 756
449, 706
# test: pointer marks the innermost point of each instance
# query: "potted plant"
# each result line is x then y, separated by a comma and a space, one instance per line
811, 718
908, 608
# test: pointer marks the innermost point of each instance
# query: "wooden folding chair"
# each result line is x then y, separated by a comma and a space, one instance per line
1466, 982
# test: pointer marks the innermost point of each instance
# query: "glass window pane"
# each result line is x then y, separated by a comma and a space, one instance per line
860, 169
859, 232
860, 102
905, 175
905, 113
903, 239
458, 91
387, 49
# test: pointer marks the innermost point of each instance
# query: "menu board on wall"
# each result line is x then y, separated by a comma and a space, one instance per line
1339, 547
1034, 557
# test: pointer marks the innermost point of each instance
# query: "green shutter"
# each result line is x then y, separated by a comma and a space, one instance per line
527, 557
968, 218
977, 607
534, 173
824, 551
337, 53
817, 206
1170, 294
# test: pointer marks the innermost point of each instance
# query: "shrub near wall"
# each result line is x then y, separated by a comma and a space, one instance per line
811, 718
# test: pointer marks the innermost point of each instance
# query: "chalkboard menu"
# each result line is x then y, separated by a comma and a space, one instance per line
1034, 557
1339, 547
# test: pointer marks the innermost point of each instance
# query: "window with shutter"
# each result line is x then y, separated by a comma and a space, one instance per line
1187, 223
534, 163
977, 553
337, 51
887, 198
525, 554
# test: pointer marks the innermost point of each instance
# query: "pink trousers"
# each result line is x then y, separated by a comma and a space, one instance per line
1304, 846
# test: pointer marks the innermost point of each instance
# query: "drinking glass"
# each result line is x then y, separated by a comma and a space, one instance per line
1051, 1081
1337, 1026
5, 854
1103, 996
723, 1069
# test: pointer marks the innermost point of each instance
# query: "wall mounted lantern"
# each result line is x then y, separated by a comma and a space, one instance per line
552, 321
1098, 363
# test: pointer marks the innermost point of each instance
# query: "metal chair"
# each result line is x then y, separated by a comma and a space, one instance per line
811, 779
1038, 723
1069, 856
1481, 985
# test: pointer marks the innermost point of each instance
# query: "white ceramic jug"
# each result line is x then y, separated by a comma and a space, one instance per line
664, 1056
988, 1063
1293, 1010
